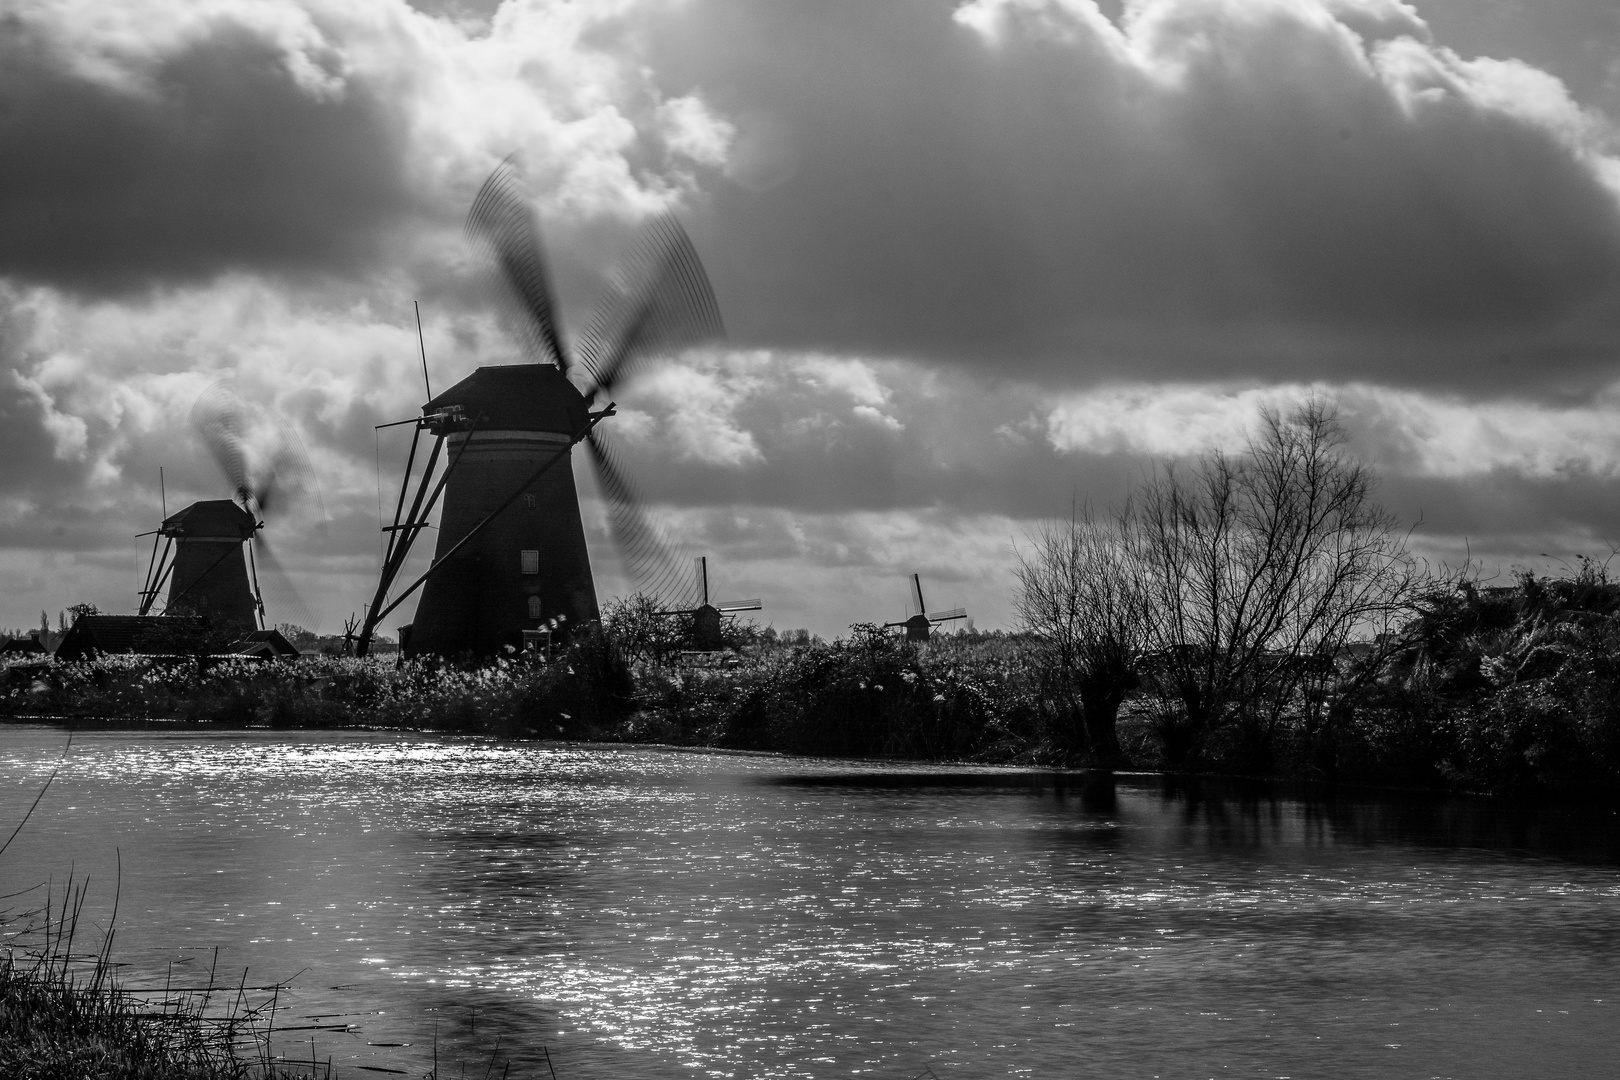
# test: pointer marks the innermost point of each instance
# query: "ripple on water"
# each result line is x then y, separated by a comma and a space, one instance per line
641, 912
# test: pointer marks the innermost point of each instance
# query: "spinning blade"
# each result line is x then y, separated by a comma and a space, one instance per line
501, 224
660, 303
281, 586
643, 545
264, 461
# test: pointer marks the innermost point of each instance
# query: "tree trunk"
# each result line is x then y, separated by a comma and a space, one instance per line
1099, 709
1182, 734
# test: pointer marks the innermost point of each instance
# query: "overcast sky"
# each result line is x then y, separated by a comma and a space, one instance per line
977, 259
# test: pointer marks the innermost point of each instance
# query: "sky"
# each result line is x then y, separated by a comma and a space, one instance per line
979, 261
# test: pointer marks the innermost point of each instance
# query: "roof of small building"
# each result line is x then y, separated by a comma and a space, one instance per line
91, 635
270, 644
22, 645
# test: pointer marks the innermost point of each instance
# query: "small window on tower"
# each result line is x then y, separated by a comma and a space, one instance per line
528, 501
531, 562
534, 607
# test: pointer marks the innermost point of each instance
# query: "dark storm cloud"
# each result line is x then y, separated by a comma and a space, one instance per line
1509, 515
216, 160
1228, 189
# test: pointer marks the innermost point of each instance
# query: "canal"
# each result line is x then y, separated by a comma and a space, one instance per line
640, 913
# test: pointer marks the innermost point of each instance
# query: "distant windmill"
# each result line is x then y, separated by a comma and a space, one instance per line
202, 560
511, 559
920, 621
706, 617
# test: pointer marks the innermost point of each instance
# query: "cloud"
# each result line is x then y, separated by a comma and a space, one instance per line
1436, 436
978, 259
1274, 189
158, 142
124, 168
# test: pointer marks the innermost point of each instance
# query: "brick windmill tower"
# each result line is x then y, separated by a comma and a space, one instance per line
213, 550
205, 566
511, 557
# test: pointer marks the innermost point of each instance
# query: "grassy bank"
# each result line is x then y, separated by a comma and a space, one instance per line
64, 1013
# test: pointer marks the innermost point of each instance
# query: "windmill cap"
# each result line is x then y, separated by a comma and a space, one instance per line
216, 519
516, 397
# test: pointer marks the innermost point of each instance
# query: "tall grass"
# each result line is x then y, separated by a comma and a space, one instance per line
585, 688
64, 1012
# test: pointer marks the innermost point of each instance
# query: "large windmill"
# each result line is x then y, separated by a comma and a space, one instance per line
920, 622
212, 550
511, 556
707, 617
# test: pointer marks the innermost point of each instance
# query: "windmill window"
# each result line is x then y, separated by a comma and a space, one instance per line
528, 501
531, 562
534, 607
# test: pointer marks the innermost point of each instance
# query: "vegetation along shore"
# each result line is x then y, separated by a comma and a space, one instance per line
1257, 613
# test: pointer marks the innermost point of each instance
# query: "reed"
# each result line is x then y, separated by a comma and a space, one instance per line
65, 1013
1508, 689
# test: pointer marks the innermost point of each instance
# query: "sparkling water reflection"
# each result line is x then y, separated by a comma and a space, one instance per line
647, 913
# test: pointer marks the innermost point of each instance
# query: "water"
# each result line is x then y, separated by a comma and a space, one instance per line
646, 913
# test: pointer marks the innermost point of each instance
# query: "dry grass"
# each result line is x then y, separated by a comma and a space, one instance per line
64, 1013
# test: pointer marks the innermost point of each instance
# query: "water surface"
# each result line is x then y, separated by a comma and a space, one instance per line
648, 913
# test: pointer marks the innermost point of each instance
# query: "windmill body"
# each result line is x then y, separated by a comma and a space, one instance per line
918, 628
511, 561
919, 625
529, 565
210, 574
708, 619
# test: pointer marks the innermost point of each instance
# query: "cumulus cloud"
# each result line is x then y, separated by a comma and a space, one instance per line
978, 258
1439, 436
1207, 188
162, 141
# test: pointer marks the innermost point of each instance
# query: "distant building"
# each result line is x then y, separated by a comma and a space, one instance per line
24, 646
112, 635
165, 635
263, 645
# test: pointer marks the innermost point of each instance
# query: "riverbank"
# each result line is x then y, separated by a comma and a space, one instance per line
65, 1014
1510, 690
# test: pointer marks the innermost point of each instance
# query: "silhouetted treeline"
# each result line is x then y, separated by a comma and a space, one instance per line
1505, 688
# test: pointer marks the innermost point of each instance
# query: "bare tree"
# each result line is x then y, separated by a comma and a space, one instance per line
1081, 595
1259, 569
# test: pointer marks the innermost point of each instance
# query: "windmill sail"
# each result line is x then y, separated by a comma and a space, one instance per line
267, 467
919, 621
511, 558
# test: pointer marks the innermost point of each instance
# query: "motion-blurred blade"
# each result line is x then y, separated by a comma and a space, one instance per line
220, 417
501, 224
647, 554
289, 477
660, 304
263, 459
284, 604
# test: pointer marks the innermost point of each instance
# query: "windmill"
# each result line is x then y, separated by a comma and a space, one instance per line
212, 550
511, 556
706, 617
920, 622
